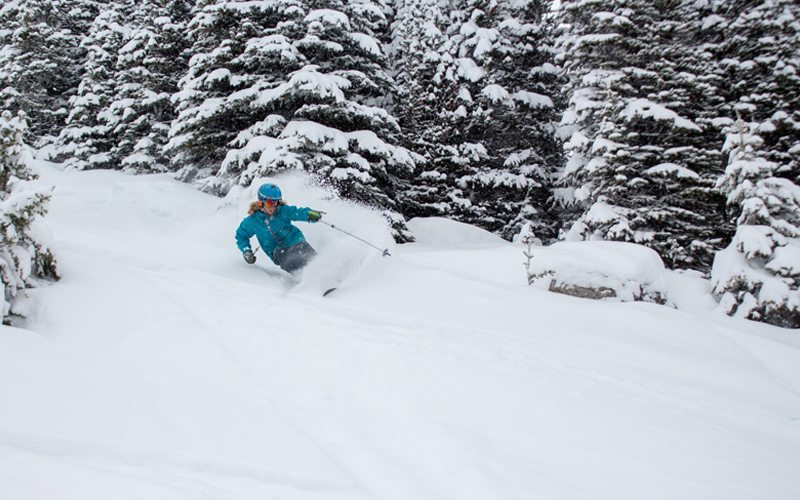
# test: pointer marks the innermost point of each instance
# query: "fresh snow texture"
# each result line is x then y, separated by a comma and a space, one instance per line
163, 367
672, 169
648, 109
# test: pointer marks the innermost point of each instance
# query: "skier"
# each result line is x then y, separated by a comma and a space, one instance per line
270, 221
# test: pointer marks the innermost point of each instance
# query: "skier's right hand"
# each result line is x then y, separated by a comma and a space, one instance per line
314, 215
249, 257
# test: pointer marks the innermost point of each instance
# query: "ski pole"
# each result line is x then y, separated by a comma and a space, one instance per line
385, 251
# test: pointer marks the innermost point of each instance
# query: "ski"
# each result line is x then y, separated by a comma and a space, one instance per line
328, 291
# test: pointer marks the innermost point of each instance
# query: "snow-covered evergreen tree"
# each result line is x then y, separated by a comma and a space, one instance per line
594, 51
642, 159
41, 58
147, 70
758, 275
478, 102
206, 124
334, 105
761, 66
89, 134
24, 253
417, 35
291, 85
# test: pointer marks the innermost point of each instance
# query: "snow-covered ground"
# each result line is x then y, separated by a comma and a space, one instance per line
164, 367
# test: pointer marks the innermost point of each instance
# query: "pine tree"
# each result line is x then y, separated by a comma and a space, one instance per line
514, 187
86, 140
334, 105
207, 120
147, 70
760, 62
417, 34
480, 104
24, 257
642, 160
293, 86
758, 275
41, 59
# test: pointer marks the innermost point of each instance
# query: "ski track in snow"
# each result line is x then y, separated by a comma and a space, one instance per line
89, 452
162, 366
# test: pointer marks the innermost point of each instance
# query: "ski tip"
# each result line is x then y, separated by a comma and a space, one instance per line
328, 291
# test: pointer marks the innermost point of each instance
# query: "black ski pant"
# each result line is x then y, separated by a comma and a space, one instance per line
293, 258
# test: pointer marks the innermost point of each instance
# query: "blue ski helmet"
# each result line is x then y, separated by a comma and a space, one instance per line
269, 192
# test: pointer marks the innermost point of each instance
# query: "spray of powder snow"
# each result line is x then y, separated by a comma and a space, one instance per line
341, 257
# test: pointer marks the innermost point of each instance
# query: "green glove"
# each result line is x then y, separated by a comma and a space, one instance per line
314, 216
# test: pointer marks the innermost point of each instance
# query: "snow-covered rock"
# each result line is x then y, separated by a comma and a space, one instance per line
599, 270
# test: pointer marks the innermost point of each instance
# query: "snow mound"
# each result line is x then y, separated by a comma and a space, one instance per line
441, 231
600, 269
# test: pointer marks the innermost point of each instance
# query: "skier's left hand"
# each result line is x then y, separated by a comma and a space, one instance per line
314, 216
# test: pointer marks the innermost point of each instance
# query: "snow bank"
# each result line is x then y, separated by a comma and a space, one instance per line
600, 269
441, 231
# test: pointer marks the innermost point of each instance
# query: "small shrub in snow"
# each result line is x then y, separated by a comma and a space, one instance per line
23, 254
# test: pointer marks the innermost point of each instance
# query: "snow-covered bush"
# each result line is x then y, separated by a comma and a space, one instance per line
758, 275
24, 256
598, 270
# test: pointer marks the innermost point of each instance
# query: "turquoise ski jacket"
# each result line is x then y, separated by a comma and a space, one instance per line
272, 231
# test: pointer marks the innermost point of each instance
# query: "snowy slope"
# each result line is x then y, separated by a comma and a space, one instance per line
163, 367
